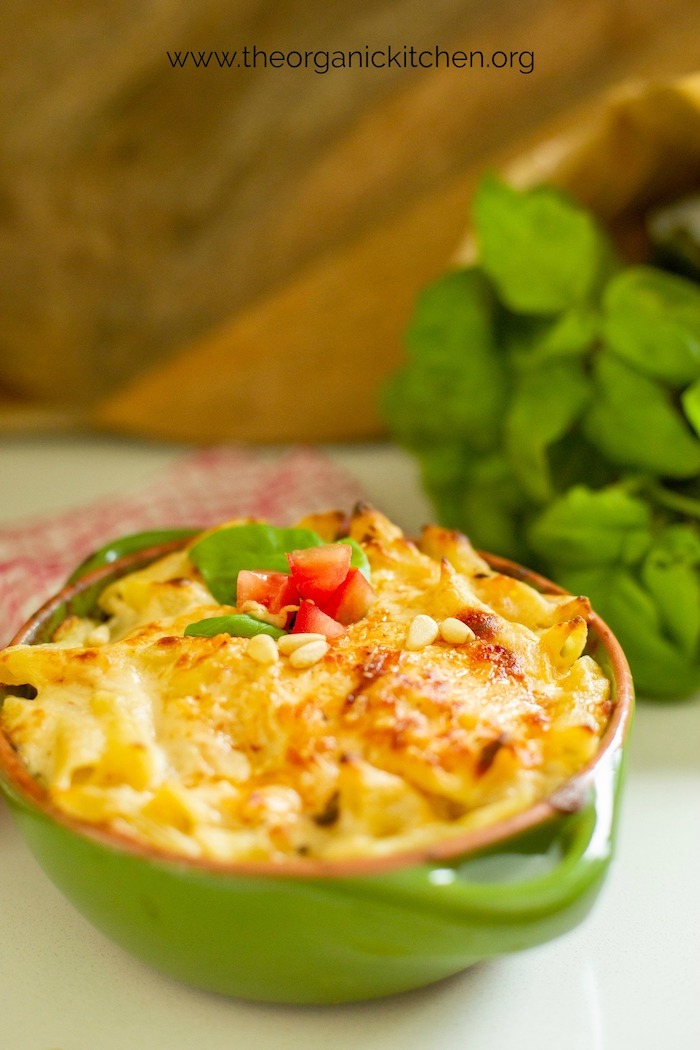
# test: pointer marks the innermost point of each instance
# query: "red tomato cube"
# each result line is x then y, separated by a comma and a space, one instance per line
319, 571
274, 590
310, 619
352, 599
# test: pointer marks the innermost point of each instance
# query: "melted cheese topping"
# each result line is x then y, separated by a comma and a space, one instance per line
189, 744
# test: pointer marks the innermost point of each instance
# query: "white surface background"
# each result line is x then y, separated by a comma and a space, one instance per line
627, 979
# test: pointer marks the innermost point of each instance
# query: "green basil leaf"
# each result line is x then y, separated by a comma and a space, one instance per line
670, 575
632, 420
453, 386
683, 500
222, 554
491, 507
443, 473
571, 335
130, 544
651, 320
451, 313
573, 460
239, 625
358, 559
533, 342
542, 251
585, 528
545, 405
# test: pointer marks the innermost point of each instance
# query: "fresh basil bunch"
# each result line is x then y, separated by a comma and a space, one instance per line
552, 396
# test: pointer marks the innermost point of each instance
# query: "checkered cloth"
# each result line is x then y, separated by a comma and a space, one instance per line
201, 489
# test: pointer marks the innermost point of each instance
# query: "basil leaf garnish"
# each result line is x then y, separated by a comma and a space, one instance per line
239, 625
222, 554
358, 559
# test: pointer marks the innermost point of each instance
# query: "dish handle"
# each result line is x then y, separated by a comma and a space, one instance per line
528, 889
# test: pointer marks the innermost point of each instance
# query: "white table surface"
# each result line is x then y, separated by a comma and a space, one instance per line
627, 979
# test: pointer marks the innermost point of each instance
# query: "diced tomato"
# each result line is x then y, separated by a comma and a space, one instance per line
352, 599
320, 571
274, 590
313, 620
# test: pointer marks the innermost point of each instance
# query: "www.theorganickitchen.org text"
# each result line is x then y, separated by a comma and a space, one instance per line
325, 61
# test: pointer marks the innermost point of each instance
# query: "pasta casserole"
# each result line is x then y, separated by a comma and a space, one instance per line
331, 690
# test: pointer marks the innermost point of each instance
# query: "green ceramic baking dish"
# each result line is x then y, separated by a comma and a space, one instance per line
304, 931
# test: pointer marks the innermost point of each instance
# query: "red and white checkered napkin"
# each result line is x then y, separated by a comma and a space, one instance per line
204, 488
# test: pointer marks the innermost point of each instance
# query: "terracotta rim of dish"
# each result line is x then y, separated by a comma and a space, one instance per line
568, 798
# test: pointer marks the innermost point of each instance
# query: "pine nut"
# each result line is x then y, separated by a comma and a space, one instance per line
263, 649
455, 632
289, 642
309, 654
422, 631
